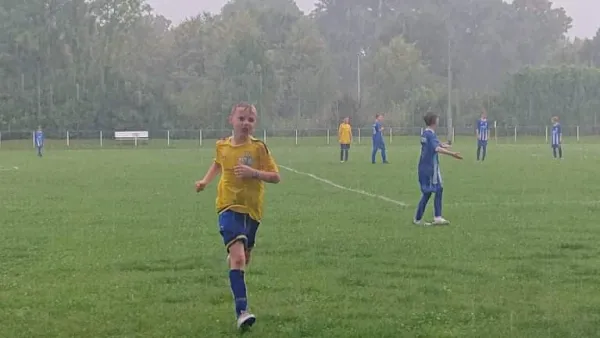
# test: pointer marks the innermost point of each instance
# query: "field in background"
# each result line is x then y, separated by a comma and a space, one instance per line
115, 243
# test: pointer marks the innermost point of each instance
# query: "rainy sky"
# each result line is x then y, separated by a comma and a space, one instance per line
582, 11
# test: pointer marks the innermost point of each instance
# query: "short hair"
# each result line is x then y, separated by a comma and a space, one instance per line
244, 106
430, 118
555, 118
378, 115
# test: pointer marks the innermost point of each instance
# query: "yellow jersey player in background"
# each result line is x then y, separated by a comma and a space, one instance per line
345, 138
244, 164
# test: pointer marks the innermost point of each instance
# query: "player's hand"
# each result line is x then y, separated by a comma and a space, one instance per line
457, 156
243, 171
200, 185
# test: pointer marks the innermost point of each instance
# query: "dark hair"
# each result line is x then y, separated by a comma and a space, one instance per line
377, 115
430, 118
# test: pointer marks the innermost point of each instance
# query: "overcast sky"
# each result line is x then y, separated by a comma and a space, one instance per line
582, 11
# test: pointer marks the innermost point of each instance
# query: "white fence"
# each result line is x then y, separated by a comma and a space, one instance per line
167, 138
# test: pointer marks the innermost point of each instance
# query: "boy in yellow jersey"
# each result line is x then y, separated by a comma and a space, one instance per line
345, 138
244, 164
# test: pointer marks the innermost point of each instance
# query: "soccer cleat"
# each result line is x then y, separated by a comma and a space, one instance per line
440, 221
245, 320
421, 223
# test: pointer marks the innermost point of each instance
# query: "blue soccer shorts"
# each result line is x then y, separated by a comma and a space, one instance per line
482, 143
235, 226
428, 185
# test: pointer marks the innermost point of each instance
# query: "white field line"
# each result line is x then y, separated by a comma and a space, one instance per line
458, 204
361, 192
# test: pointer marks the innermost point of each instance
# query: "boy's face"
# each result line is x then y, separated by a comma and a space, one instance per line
435, 123
380, 118
483, 116
346, 120
243, 121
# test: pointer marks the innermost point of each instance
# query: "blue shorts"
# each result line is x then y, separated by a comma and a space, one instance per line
482, 143
378, 144
556, 146
428, 186
235, 226
344, 146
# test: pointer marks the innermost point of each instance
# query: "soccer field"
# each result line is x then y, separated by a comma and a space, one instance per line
116, 243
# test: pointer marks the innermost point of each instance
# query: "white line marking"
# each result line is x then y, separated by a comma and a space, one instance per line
463, 204
362, 192
8, 169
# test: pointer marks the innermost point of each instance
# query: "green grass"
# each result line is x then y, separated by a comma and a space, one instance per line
115, 243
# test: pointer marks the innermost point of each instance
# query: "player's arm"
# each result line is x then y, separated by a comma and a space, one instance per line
211, 173
267, 169
441, 150
340, 133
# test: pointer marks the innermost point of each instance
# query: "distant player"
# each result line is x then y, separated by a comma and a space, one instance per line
39, 141
430, 177
244, 164
378, 142
556, 137
345, 138
482, 132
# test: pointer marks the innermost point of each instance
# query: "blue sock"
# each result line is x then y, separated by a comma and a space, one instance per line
554, 151
383, 155
437, 203
484, 153
373, 153
238, 287
478, 152
560, 152
422, 205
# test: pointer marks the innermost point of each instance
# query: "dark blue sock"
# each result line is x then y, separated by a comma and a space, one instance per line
238, 287
478, 152
560, 152
373, 153
342, 154
383, 155
554, 152
484, 153
437, 203
422, 206
346, 155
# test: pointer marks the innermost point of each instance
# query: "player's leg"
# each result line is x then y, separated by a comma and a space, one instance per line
39, 151
560, 151
478, 150
484, 150
346, 152
425, 196
437, 207
341, 153
374, 152
383, 153
232, 228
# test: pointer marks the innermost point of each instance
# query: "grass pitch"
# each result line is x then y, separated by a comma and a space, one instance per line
116, 243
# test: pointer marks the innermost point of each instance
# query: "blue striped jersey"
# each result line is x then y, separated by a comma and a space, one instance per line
429, 162
39, 138
556, 134
482, 130
377, 135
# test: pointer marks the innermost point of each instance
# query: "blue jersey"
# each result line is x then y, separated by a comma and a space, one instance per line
377, 134
556, 134
39, 138
482, 130
429, 163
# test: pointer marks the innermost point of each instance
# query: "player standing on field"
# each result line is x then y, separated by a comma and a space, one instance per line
482, 132
556, 137
378, 143
244, 163
430, 176
39, 141
345, 138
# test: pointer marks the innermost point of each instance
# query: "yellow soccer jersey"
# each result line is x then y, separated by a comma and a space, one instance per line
243, 195
345, 133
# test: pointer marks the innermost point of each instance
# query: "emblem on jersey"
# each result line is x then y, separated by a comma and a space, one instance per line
247, 159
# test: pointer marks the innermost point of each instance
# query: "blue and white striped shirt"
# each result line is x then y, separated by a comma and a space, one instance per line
556, 134
482, 130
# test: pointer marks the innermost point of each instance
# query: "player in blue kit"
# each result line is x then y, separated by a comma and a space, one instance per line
482, 132
39, 141
378, 142
556, 137
430, 177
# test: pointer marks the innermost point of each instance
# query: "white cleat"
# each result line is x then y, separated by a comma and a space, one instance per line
245, 321
440, 221
421, 223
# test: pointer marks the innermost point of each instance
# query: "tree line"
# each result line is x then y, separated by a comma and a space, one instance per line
115, 64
